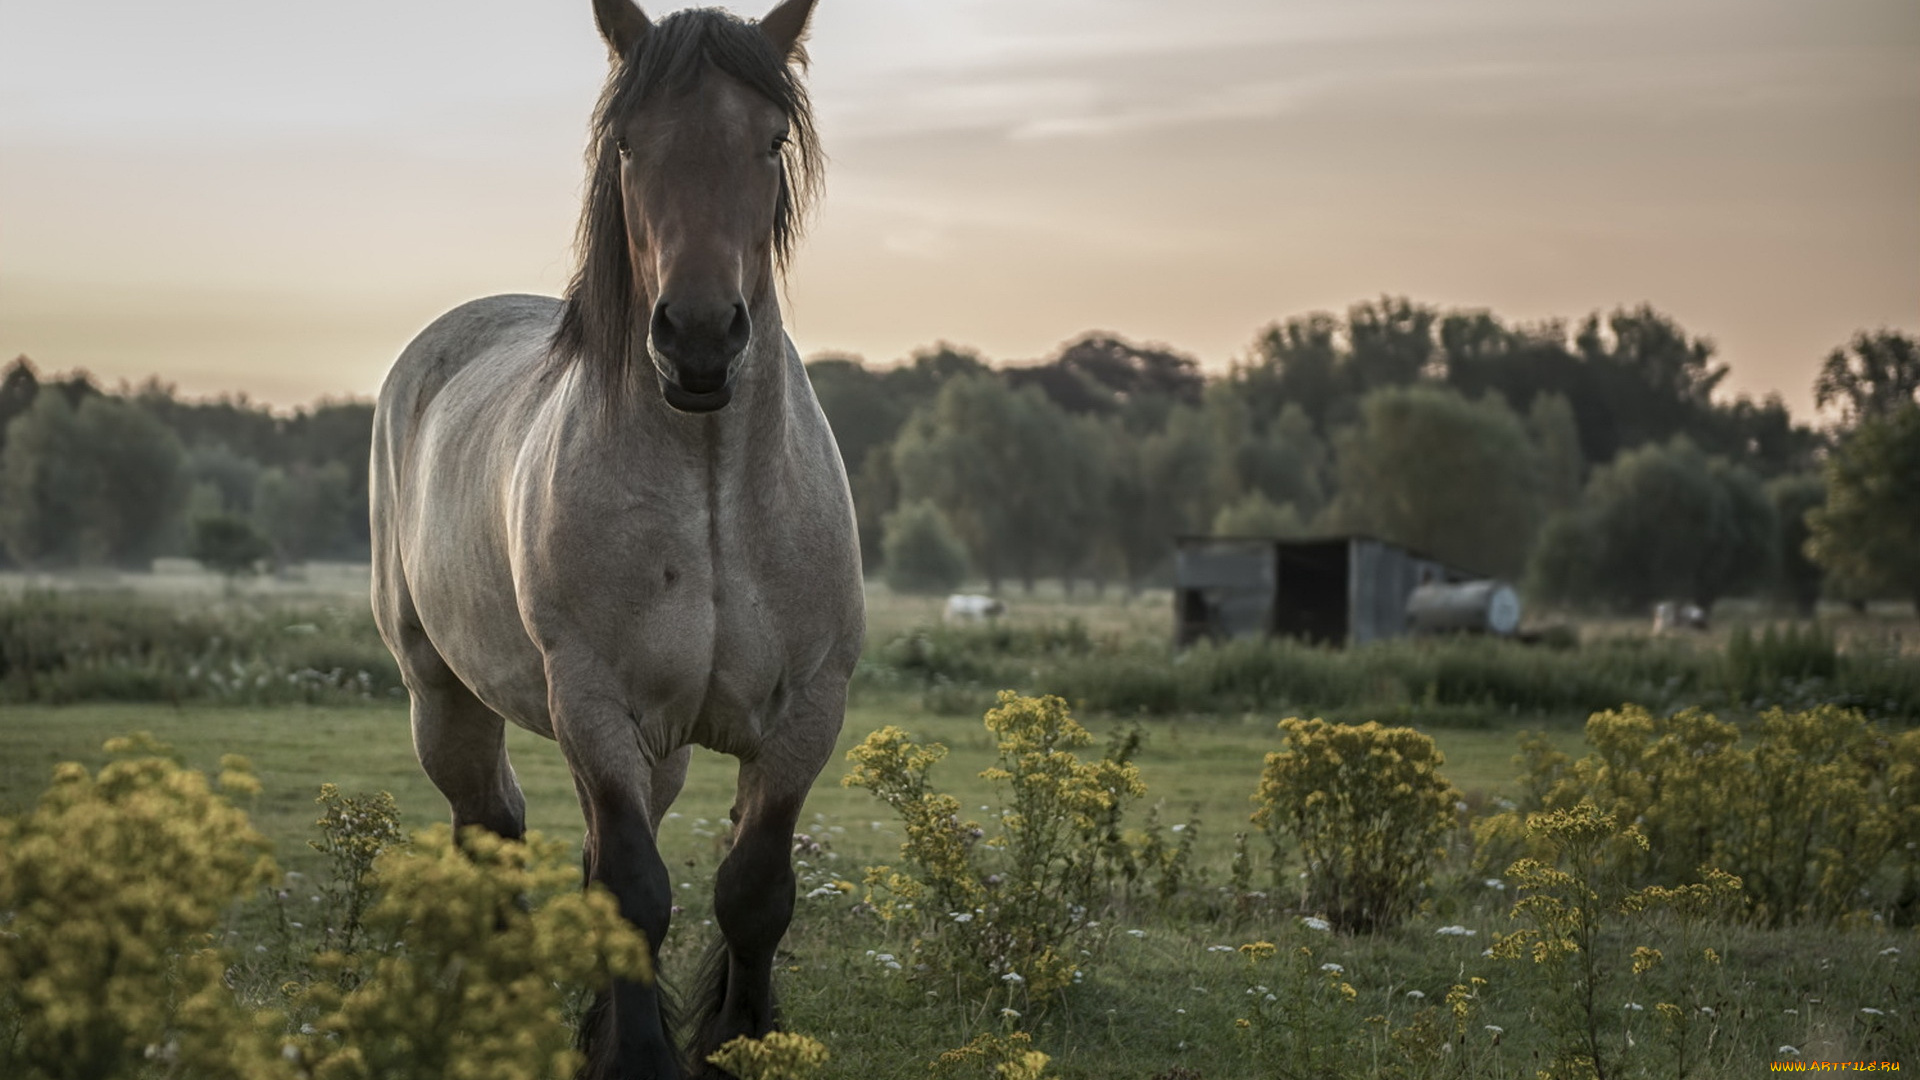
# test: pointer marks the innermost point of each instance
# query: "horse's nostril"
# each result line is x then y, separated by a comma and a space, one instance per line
661, 329
740, 330
692, 333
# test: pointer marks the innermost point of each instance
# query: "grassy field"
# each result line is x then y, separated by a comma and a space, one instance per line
1166, 985
1169, 986
1202, 768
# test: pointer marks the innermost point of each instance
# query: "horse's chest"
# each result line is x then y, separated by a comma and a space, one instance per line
707, 647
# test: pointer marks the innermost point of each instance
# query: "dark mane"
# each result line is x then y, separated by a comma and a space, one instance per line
597, 323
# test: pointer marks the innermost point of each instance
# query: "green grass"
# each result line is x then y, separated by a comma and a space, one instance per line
1166, 996
1197, 767
1163, 998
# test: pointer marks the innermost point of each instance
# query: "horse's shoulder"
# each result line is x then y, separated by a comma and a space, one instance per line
516, 325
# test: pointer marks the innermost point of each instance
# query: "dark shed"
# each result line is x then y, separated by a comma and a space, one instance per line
1345, 590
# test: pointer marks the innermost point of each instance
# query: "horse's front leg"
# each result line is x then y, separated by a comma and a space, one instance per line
753, 895
625, 1035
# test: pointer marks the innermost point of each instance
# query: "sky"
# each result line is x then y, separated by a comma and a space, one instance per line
273, 198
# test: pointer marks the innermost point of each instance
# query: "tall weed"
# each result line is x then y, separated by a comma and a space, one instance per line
1003, 910
1817, 815
1367, 807
109, 892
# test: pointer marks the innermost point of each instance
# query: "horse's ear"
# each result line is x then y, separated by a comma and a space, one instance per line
786, 26
622, 23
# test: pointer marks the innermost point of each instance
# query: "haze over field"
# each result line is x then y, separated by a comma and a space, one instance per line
274, 198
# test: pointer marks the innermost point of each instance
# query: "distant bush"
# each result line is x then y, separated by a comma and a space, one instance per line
922, 554
1759, 665
1458, 682
65, 647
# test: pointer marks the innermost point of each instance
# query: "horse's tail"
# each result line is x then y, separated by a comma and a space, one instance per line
595, 1039
705, 1004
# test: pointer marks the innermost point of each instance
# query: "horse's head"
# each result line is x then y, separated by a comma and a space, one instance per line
703, 154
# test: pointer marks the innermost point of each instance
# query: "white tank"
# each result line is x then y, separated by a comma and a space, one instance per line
1479, 607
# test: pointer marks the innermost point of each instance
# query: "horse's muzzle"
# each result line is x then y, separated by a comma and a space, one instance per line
697, 348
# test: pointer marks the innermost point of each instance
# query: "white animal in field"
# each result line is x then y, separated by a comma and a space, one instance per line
1669, 616
966, 608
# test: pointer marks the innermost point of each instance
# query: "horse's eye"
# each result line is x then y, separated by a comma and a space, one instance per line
620, 144
779, 142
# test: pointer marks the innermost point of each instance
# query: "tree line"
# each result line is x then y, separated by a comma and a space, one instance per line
1590, 460
90, 477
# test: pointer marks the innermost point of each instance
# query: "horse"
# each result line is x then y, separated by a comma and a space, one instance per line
618, 519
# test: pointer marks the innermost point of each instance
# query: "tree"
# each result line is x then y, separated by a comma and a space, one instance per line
303, 511
1391, 343
1297, 362
1875, 376
1103, 375
863, 414
1868, 533
1793, 498
1427, 468
921, 377
1661, 522
1157, 488
19, 385
1255, 515
1279, 457
1556, 440
1763, 436
922, 554
87, 484
1008, 471
1655, 380
229, 545
232, 476
876, 491
1667, 361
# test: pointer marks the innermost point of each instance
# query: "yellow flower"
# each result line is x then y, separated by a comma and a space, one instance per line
1258, 950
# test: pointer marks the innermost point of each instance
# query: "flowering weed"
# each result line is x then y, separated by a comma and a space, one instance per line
1368, 808
1000, 911
993, 1057
109, 892
780, 1055
466, 955
1820, 817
